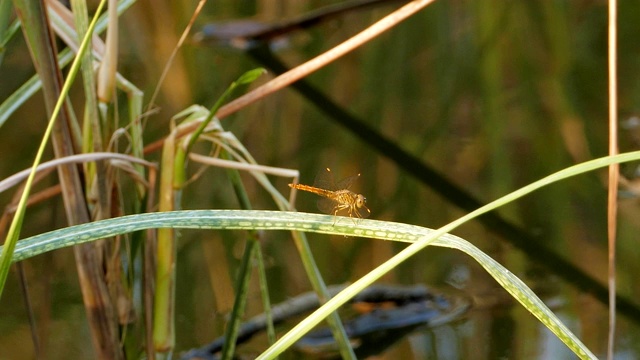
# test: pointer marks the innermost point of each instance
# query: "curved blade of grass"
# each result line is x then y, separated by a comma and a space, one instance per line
275, 220
279, 220
16, 178
244, 79
541, 312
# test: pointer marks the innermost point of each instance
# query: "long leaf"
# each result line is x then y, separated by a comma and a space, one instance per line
275, 220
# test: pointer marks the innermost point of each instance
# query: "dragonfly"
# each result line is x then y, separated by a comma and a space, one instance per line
337, 199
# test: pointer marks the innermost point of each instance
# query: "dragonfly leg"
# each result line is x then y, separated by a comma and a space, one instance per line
339, 208
354, 210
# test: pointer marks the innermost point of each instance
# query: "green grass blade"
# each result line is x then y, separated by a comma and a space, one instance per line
278, 220
7, 31
16, 224
244, 79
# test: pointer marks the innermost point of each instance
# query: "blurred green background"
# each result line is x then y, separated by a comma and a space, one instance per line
493, 95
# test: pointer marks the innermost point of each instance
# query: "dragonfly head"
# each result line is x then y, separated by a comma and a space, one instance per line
360, 201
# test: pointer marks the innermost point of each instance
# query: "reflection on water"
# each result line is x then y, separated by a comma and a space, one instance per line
379, 316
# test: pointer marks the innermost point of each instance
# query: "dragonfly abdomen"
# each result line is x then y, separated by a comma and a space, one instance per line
313, 189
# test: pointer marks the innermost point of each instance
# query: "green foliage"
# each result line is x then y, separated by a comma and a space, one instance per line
267, 220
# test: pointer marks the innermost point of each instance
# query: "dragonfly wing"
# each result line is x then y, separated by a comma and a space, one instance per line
325, 180
345, 184
327, 205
